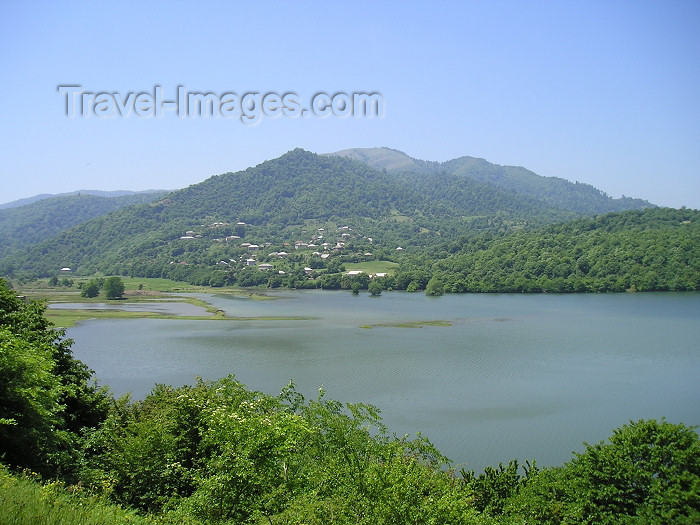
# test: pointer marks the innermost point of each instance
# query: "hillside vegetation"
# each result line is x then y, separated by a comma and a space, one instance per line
302, 220
641, 250
38, 221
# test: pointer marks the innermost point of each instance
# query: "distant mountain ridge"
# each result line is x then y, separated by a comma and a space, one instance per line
408, 211
41, 219
578, 197
97, 193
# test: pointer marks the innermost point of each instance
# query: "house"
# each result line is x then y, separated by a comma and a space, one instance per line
308, 270
250, 262
355, 272
265, 266
65, 269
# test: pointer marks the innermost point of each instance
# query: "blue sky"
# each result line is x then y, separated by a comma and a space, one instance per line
603, 92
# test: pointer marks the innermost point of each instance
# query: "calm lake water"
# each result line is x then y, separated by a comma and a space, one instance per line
513, 376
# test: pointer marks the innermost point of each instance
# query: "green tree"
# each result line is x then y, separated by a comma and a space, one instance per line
435, 286
114, 288
649, 468
44, 415
648, 473
91, 289
29, 402
375, 287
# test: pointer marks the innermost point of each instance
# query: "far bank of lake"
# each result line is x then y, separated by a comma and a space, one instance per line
487, 377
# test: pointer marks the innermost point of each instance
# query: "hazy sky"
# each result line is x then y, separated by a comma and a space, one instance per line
603, 92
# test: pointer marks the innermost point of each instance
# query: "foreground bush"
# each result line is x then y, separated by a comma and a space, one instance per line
219, 452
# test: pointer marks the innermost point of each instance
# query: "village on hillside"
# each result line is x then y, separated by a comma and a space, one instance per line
316, 251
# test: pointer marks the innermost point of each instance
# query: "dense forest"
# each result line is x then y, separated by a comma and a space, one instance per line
218, 452
640, 250
41, 220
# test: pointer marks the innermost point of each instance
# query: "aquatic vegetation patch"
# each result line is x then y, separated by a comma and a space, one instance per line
408, 324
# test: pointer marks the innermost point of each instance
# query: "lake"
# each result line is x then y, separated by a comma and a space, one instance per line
512, 376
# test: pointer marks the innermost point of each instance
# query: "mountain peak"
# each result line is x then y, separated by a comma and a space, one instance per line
381, 158
554, 191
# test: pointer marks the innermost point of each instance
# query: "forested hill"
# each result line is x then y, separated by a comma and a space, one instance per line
557, 192
42, 219
300, 186
276, 200
137, 195
328, 211
639, 250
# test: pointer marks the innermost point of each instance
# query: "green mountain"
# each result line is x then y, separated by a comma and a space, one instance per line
42, 219
577, 197
307, 215
277, 201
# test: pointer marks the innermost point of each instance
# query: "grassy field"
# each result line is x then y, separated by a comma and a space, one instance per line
138, 290
25, 501
372, 267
